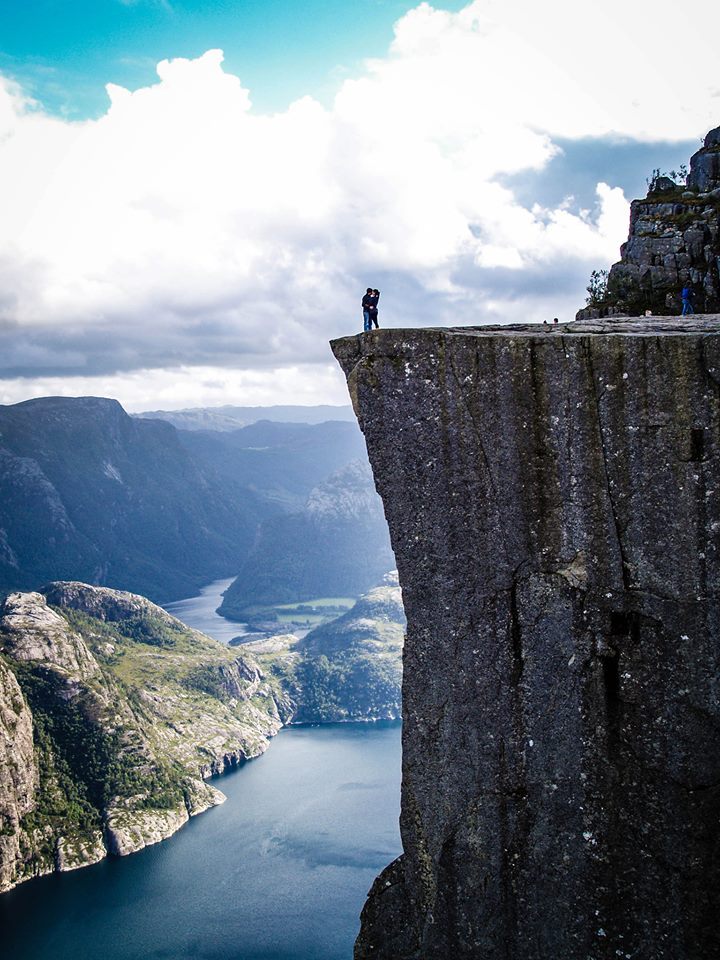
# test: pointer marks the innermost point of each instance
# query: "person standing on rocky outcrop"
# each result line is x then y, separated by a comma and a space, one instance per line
687, 306
374, 309
367, 302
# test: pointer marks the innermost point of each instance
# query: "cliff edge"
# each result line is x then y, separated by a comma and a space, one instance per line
553, 508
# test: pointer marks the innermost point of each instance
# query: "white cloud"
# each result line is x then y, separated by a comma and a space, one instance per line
182, 230
172, 389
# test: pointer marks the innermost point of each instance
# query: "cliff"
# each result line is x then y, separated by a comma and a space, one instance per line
552, 503
112, 713
673, 242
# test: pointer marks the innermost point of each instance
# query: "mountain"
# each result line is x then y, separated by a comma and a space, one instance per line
280, 463
90, 493
351, 668
112, 713
336, 546
87, 492
231, 418
347, 669
673, 243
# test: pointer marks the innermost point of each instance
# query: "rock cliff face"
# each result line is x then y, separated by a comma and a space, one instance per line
674, 241
112, 713
553, 508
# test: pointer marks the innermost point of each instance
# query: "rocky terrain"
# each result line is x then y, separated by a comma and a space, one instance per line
552, 504
674, 241
112, 714
348, 669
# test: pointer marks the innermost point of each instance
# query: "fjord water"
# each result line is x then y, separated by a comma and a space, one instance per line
278, 872
199, 612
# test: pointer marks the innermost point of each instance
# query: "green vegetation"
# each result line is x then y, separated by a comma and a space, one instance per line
349, 668
679, 177
305, 614
84, 766
143, 627
597, 288
207, 678
351, 686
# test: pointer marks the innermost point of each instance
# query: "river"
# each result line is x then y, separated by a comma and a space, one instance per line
199, 612
278, 872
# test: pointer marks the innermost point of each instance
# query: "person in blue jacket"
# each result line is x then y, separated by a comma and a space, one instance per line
687, 306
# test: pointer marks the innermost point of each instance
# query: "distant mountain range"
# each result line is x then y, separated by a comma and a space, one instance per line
87, 492
231, 418
336, 546
280, 462
90, 493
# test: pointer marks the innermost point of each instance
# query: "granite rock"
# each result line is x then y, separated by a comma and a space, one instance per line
18, 774
552, 503
673, 242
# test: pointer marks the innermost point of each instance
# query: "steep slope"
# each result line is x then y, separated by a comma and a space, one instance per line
337, 546
88, 493
351, 668
111, 713
552, 503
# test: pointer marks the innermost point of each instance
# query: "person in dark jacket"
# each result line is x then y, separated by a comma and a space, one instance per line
687, 306
374, 309
367, 303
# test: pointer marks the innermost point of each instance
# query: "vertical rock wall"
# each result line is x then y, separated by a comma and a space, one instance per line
674, 242
553, 500
18, 775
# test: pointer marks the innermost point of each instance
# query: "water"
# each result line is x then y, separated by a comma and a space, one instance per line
199, 613
279, 872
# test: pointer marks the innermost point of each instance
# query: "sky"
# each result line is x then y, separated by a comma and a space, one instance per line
195, 194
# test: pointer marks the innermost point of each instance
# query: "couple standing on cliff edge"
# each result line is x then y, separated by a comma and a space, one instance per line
370, 309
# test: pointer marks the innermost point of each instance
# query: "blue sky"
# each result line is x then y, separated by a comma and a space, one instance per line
65, 52
195, 234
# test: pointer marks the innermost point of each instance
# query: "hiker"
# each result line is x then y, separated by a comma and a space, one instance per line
687, 307
367, 302
374, 309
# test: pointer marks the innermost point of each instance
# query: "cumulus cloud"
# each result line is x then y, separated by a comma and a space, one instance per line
183, 232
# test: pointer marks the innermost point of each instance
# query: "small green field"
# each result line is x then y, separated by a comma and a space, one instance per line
305, 614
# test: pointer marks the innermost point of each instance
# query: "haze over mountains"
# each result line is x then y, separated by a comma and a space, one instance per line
231, 418
89, 493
